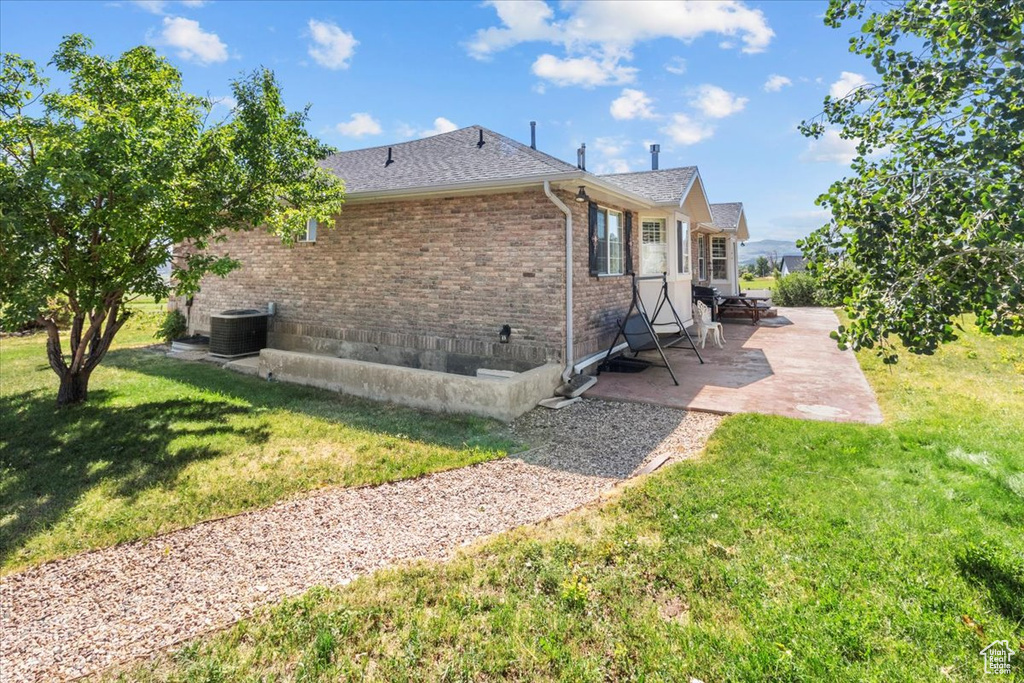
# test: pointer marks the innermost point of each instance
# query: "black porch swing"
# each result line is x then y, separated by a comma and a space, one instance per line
639, 329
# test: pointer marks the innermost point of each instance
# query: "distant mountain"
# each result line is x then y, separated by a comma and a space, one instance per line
750, 251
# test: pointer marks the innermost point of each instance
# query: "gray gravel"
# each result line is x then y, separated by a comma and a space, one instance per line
610, 439
78, 616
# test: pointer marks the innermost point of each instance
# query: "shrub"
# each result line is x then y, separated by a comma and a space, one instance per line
748, 276
173, 326
796, 289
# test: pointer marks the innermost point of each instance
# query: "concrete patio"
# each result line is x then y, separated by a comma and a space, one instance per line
785, 366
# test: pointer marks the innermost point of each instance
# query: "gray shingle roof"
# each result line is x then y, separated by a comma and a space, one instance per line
661, 186
445, 159
726, 216
795, 264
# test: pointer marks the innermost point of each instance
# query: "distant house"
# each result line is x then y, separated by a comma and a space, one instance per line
793, 264
444, 241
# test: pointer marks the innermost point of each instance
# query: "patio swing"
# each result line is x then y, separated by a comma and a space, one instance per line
639, 329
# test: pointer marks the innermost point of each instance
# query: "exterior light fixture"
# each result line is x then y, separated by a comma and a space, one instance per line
504, 334
581, 196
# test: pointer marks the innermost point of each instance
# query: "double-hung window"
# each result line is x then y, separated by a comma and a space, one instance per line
702, 273
683, 246
609, 242
719, 259
654, 247
310, 234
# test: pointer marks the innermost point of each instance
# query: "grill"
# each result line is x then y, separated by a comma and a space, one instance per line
235, 333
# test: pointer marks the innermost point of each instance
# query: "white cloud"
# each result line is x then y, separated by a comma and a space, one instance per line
609, 154
523, 20
686, 131
359, 125
830, 148
192, 42
676, 65
617, 25
847, 83
775, 83
611, 146
160, 6
718, 103
225, 101
332, 47
599, 36
404, 130
631, 104
583, 71
441, 125
612, 166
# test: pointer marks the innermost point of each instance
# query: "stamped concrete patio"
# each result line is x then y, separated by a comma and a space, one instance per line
785, 366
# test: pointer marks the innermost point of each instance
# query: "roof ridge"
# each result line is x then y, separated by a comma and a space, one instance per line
650, 170
544, 157
532, 151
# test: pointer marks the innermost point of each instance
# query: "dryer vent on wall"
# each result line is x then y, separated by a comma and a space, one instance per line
236, 333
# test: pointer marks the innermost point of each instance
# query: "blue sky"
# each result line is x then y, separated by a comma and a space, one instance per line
719, 85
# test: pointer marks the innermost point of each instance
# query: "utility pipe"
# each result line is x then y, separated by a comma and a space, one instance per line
567, 373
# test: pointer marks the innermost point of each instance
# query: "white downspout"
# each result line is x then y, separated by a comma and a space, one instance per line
567, 373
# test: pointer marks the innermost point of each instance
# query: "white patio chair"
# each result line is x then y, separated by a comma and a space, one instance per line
706, 325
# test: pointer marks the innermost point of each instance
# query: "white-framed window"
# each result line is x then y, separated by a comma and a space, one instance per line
683, 246
310, 234
702, 272
653, 247
609, 242
719, 259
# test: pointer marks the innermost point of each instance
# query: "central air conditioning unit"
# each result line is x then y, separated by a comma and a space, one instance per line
237, 333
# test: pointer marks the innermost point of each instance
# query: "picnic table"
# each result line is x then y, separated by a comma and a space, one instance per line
752, 306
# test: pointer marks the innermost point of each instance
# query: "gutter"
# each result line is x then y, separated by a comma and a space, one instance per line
567, 373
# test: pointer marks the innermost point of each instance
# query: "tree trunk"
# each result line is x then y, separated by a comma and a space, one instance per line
73, 388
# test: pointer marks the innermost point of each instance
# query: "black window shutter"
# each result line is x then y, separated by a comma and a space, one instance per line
680, 247
627, 249
592, 237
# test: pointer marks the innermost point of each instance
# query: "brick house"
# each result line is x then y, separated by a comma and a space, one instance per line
445, 240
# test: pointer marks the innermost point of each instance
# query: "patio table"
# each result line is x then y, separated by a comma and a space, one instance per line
752, 306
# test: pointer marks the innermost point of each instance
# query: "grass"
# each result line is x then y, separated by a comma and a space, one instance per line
163, 444
791, 551
757, 283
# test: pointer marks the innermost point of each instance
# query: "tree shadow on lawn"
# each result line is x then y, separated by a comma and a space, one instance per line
440, 429
50, 457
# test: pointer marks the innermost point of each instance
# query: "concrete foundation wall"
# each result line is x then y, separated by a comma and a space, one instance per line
502, 399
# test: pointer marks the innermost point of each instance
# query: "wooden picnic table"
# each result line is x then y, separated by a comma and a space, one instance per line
752, 306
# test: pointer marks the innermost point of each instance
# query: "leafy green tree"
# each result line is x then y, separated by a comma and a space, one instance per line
100, 181
762, 267
930, 225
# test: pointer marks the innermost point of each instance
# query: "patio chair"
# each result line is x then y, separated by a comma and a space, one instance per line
705, 326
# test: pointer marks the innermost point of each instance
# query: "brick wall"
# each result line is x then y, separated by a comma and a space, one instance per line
598, 302
438, 274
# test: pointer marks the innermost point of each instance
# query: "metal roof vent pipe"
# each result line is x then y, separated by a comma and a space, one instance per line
581, 157
480, 142
390, 160
654, 156
533, 135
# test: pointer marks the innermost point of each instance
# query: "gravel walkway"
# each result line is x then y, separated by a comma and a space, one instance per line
80, 615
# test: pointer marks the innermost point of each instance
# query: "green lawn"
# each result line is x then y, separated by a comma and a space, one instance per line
758, 283
791, 551
163, 444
